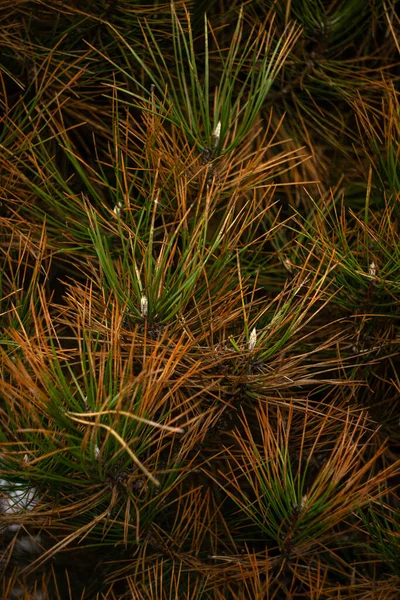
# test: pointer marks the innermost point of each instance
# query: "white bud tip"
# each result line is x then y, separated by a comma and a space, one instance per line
372, 269
287, 264
144, 305
216, 134
96, 452
117, 208
253, 339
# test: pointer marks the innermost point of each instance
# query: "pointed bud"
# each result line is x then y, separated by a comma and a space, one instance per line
253, 339
144, 305
287, 264
96, 452
372, 269
117, 208
216, 134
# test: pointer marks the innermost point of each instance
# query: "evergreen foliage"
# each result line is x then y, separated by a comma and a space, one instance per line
199, 286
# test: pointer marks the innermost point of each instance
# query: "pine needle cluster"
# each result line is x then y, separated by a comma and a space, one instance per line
199, 287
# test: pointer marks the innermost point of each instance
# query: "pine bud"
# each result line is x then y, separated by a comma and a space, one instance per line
372, 269
144, 306
117, 208
216, 134
253, 339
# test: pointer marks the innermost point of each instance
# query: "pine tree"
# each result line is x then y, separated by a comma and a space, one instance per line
199, 356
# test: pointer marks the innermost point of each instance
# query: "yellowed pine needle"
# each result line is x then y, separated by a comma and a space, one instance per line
128, 414
47, 455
